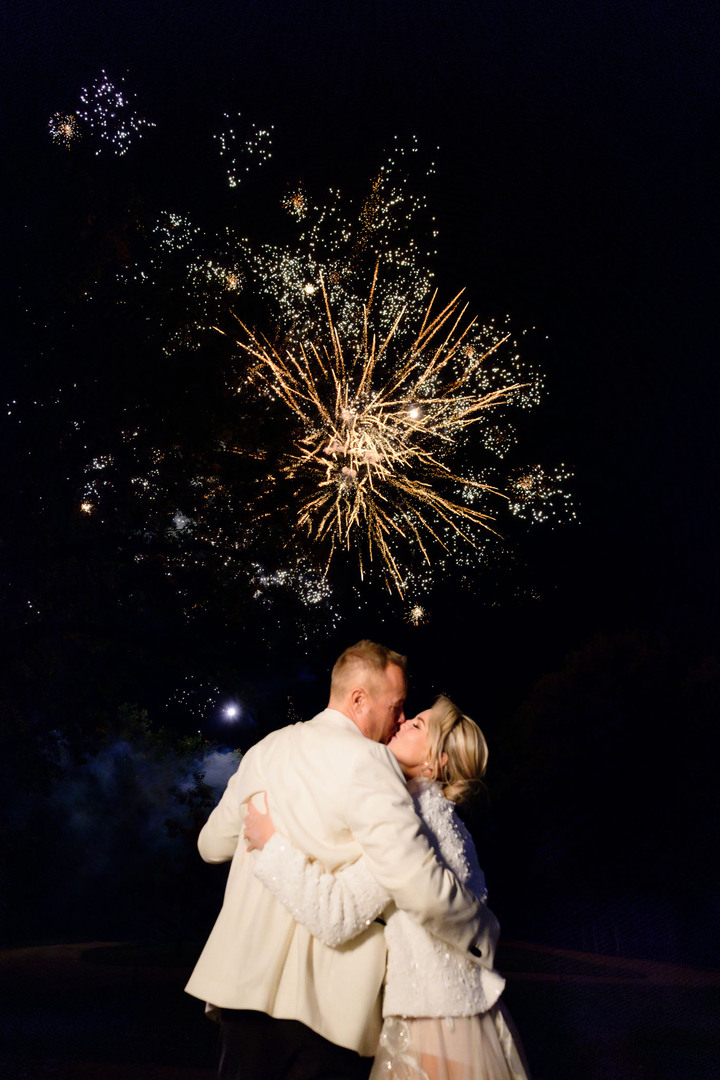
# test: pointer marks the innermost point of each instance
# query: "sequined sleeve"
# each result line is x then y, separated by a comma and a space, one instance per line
333, 907
449, 837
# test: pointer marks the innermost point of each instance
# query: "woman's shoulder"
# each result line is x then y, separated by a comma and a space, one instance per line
440, 816
431, 804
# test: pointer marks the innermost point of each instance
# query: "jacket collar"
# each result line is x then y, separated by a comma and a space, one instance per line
338, 719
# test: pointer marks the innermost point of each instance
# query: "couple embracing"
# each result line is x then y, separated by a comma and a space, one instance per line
355, 894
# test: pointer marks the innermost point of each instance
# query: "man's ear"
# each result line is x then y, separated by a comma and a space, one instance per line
357, 699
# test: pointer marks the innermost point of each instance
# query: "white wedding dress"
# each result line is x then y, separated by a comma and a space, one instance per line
443, 1018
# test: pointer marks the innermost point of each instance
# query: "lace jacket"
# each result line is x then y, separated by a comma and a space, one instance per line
425, 976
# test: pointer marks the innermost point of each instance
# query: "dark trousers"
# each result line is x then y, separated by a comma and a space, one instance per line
255, 1046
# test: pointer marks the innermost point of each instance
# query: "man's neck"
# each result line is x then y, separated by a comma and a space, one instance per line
346, 710
339, 706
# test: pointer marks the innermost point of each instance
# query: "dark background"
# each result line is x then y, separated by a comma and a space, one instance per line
575, 191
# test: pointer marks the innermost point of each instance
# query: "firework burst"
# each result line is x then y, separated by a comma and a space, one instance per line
417, 615
542, 495
295, 203
243, 153
64, 129
373, 427
110, 115
364, 440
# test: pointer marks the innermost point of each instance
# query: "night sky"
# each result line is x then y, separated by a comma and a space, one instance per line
576, 152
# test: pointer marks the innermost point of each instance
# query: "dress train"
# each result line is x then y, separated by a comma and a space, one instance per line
484, 1047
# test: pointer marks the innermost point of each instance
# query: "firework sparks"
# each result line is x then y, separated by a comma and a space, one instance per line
542, 495
180, 257
64, 129
341, 240
173, 232
374, 423
109, 114
244, 155
359, 434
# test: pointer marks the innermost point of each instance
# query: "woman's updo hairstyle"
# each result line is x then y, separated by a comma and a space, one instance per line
451, 732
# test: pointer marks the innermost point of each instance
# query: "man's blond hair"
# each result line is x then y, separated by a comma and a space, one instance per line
362, 664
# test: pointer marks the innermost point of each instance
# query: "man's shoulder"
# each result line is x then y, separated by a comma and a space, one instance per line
327, 726
333, 727
278, 735
329, 733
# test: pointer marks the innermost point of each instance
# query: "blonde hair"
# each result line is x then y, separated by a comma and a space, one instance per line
366, 659
451, 732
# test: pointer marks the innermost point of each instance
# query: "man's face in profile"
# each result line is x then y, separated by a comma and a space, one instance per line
386, 700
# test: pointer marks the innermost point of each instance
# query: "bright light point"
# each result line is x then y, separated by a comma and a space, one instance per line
86, 507
309, 288
231, 712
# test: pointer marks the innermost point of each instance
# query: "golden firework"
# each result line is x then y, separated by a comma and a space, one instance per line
295, 202
374, 424
417, 615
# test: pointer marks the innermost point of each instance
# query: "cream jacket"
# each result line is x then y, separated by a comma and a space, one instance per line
335, 795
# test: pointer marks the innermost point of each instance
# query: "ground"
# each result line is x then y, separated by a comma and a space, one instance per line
113, 1011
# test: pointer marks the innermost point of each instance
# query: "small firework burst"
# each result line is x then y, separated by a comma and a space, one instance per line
417, 615
232, 280
296, 203
211, 278
64, 129
243, 154
541, 495
173, 232
109, 113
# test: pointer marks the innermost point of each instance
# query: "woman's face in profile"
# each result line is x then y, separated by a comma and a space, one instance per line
411, 744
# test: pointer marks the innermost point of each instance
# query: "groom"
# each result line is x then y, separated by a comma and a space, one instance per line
290, 1006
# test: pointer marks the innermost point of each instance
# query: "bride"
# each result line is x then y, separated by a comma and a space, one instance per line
442, 1016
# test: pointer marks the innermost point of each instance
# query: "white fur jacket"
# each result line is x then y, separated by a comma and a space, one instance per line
425, 976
